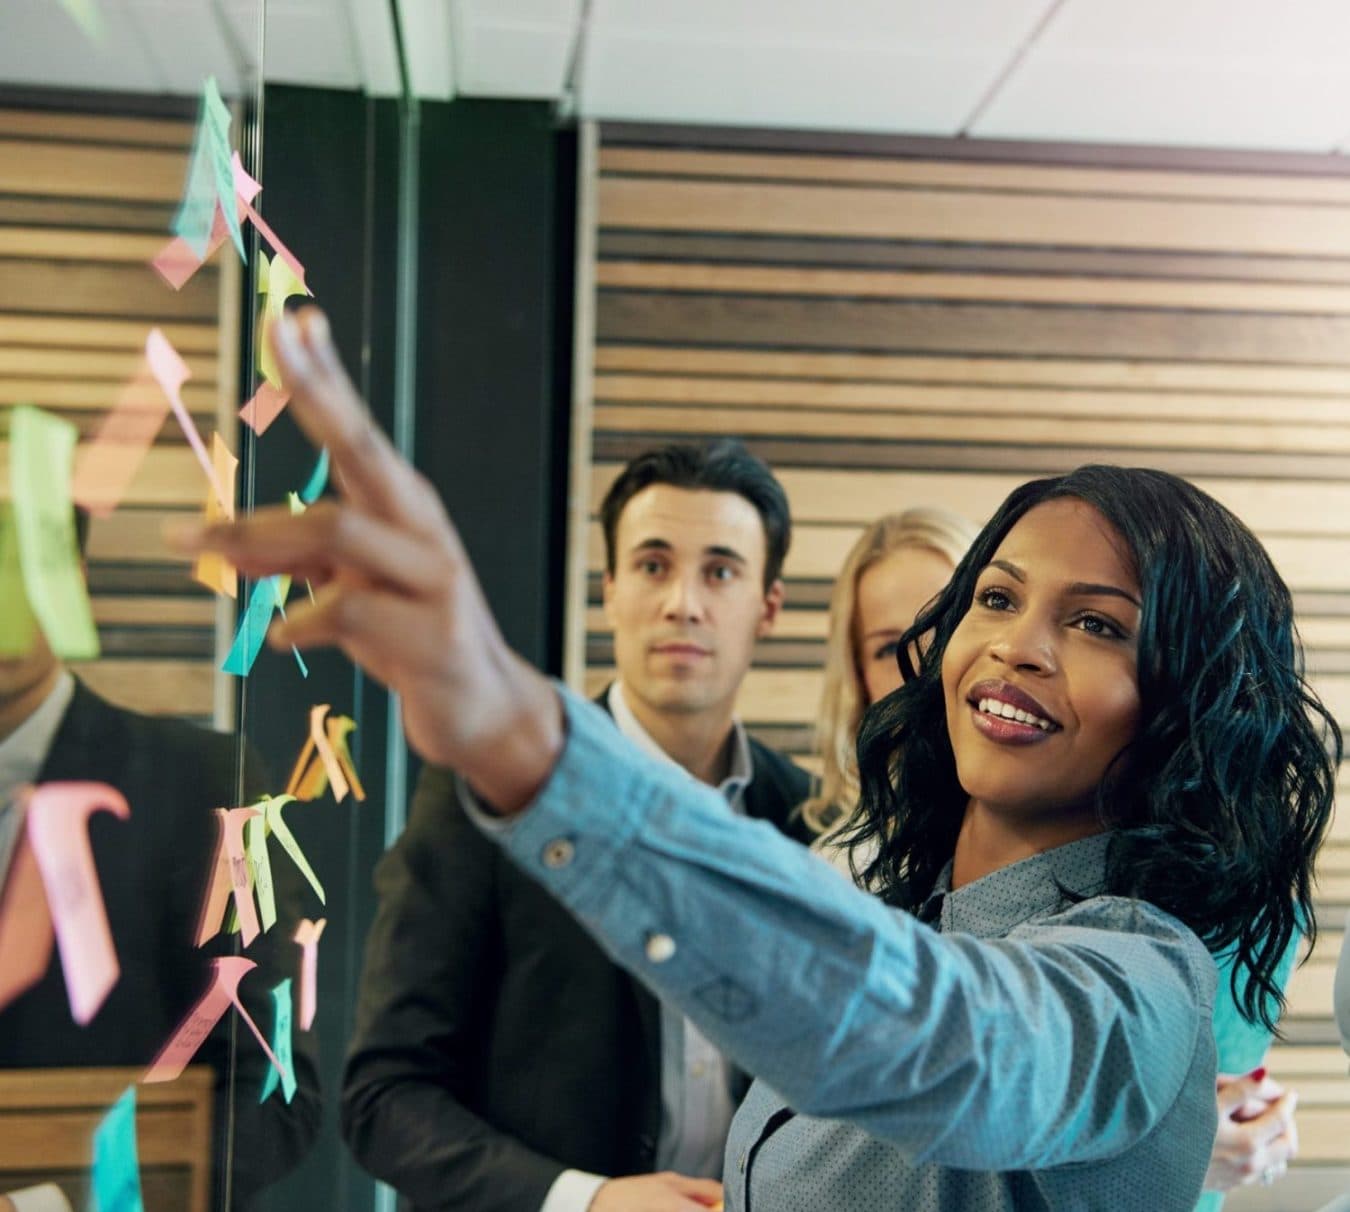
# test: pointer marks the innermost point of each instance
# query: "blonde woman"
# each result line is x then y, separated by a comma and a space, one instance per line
896, 566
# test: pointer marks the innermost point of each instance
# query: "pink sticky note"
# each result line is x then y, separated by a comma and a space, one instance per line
307, 936
105, 466
26, 937
246, 189
229, 876
199, 1022
171, 372
264, 408
176, 262
336, 777
58, 830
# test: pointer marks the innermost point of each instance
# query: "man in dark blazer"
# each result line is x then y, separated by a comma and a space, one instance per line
501, 1062
153, 869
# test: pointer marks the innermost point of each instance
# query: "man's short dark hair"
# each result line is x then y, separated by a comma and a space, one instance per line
723, 465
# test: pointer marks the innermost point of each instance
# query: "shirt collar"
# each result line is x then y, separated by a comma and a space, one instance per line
739, 773
996, 903
23, 752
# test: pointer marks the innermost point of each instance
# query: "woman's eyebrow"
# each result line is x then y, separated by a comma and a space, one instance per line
1091, 589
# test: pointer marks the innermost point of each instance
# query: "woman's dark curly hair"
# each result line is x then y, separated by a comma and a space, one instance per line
1221, 800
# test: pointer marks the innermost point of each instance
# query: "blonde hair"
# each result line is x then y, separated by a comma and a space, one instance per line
842, 699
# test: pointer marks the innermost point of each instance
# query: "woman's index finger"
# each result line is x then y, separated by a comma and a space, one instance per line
369, 471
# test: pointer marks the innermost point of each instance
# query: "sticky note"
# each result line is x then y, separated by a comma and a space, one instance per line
211, 569
40, 449
106, 465
18, 627
199, 1022
326, 753
318, 479
281, 1043
264, 407
177, 261
282, 284
307, 939
246, 189
58, 830
26, 937
276, 824
86, 14
171, 372
231, 877
210, 178
252, 630
116, 1177
339, 728
255, 844
309, 776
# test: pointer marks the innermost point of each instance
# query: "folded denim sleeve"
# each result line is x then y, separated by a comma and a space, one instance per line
851, 1010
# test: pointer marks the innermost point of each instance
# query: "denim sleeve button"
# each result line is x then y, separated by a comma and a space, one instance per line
558, 853
660, 947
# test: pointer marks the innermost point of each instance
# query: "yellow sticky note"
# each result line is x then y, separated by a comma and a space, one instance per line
211, 569
18, 628
41, 448
282, 284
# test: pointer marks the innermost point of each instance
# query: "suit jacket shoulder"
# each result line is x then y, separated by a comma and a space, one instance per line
779, 786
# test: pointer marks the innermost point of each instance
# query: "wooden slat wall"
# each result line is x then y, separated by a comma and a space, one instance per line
85, 201
917, 326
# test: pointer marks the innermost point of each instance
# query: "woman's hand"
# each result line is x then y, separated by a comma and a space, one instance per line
393, 587
1257, 1136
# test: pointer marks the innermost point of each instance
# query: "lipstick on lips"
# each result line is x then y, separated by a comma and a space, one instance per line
1009, 715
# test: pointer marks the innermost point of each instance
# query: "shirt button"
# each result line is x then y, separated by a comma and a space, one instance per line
660, 947
558, 853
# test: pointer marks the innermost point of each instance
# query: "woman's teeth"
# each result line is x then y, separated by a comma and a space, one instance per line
1007, 711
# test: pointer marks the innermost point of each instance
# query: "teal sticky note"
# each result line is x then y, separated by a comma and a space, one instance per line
86, 15
117, 1172
318, 479
281, 1044
252, 630
210, 177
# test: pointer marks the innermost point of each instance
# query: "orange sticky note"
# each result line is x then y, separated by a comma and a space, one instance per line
177, 261
230, 876
264, 407
199, 1022
105, 466
26, 937
58, 830
211, 569
307, 938
339, 728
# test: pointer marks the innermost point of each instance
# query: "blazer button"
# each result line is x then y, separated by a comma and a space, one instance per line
558, 853
660, 947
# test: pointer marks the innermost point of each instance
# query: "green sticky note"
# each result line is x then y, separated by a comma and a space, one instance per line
281, 831
210, 177
281, 1043
255, 845
18, 628
41, 447
85, 14
217, 117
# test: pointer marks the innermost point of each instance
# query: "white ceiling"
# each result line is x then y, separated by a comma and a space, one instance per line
1217, 73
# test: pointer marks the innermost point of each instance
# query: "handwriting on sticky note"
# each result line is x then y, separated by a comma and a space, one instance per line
281, 1043
40, 449
307, 939
18, 627
212, 569
200, 1021
116, 1177
210, 178
276, 824
58, 831
232, 821
26, 937
255, 843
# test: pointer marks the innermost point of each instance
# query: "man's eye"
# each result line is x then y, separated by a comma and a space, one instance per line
721, 572
650, 567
